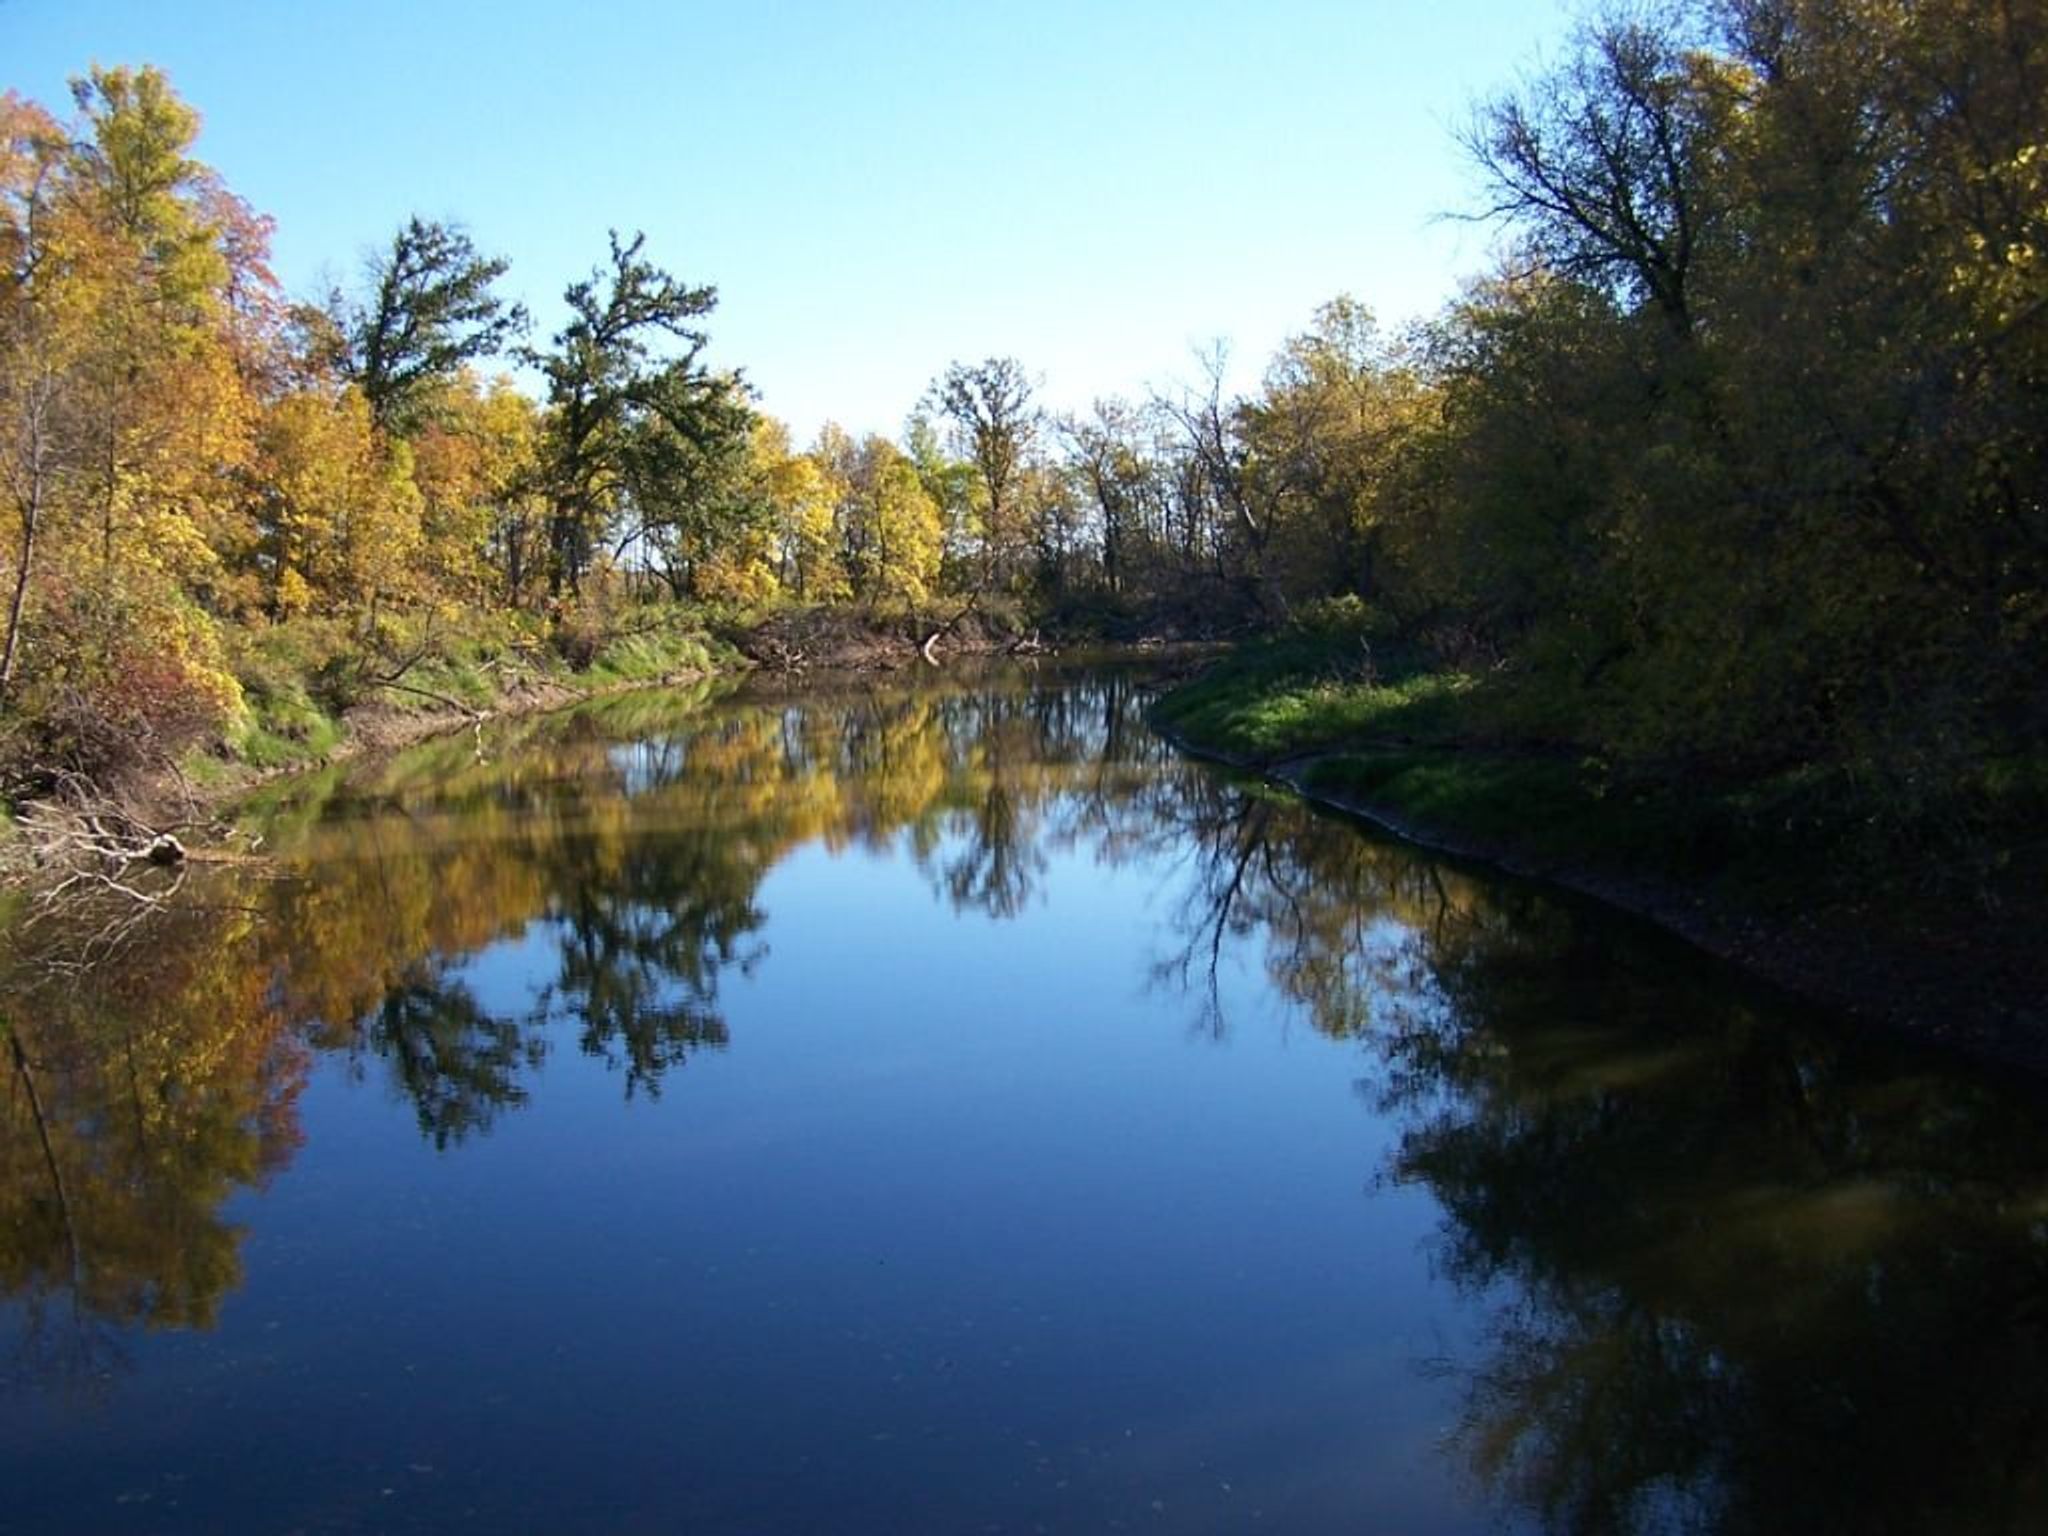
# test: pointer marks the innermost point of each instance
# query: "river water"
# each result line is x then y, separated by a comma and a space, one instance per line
872, 1108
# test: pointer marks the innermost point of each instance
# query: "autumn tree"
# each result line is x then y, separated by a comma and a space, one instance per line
132, 164
697, 505
170, 408
1338, 405
995, 425
893, 529
481, 514
1781, 258
1221, 508
40, 431
126, 371
1106, 450
955, 487
338, 515
803, 501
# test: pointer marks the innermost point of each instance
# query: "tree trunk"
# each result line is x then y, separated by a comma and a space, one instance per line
31, 506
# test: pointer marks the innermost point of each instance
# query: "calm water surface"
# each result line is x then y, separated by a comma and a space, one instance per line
868, 1109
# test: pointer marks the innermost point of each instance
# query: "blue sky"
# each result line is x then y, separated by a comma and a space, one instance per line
875, 189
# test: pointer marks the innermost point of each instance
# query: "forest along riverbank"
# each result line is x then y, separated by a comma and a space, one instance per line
311, 694
1756, 875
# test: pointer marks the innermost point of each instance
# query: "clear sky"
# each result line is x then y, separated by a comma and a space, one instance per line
875, 189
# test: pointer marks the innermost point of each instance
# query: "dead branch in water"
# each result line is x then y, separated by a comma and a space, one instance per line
449, 700
929, 649
98, 868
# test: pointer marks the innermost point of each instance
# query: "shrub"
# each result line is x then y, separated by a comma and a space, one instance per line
117, 680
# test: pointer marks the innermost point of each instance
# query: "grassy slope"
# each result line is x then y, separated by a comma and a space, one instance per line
311, 690
1781, 875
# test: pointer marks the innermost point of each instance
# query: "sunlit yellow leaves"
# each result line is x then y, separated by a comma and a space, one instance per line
336, 508
135, 168
906, 535
805, 500
475, 465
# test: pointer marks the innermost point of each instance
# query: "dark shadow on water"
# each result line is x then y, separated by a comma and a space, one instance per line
1743, 1272
1739, 1271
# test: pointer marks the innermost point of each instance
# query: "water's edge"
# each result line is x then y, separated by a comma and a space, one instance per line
1912, 997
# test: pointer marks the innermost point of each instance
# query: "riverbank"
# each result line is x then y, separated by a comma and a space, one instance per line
310, 700
310, 694
1772, 877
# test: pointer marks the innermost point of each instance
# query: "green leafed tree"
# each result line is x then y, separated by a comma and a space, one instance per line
629, 396
995, 425
430, 311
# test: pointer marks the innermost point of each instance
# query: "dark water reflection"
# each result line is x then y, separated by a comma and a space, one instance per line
1606, 1243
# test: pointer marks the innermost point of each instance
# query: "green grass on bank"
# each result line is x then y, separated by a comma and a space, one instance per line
303, 679
1437, 751
1267, 716
1553, 812
1460, 760
649, 655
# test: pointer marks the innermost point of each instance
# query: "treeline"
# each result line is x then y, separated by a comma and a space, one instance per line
1733, 465
189, 457
1737, 463
1736, 466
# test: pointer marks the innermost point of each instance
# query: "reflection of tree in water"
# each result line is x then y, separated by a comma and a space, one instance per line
1042, 771
456, 1062
997, 860
133, 1102
639, 862
1764, 1281
629, 840
1340, 919
643, 951
1744, 1277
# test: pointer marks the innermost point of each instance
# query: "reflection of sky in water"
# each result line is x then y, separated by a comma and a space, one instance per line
932, 1234
1020, 1185
644, 765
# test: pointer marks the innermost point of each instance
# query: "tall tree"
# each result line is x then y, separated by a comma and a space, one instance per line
894, 529
430, 312
338, 515
1106, 451
803, 499
1607, 161
1216, 463
995, 424
626, 387
1337, 404
132, 162
38, 430
954, 485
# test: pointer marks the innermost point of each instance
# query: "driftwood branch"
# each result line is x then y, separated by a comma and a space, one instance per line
781, 655
90, 861
929, 648
448, 700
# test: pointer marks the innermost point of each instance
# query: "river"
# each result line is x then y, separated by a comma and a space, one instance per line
872, 1107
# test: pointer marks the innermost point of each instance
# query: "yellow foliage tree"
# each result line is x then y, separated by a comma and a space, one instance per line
336, 512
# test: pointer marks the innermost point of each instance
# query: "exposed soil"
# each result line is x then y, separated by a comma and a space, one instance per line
848, 640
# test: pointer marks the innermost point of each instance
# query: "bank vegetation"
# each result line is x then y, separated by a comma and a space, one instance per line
1716, 504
